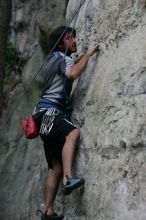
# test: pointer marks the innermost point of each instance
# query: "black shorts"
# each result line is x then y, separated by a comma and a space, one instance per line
54, 141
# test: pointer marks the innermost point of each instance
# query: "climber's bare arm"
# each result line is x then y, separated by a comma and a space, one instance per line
80, 66
79, 58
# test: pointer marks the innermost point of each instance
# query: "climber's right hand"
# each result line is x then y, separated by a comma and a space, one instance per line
93, 48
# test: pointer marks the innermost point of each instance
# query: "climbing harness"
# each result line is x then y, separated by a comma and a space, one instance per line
75, 15
47, 121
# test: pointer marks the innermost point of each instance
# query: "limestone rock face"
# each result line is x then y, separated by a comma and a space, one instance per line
109, 109
48, 19
33, 22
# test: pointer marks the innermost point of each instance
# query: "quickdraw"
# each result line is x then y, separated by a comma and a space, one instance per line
47, 121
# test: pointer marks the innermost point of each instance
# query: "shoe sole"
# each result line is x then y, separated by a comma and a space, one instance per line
52, 217
69, 191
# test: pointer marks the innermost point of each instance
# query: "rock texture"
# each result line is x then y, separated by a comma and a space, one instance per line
110, 111
22, 164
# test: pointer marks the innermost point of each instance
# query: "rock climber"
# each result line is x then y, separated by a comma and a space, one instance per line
58, 133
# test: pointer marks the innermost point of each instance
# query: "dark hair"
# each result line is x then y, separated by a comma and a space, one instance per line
56, 34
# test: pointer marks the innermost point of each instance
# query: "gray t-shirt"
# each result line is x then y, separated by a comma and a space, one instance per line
57, 81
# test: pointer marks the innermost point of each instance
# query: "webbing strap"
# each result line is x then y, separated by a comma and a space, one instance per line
47, 121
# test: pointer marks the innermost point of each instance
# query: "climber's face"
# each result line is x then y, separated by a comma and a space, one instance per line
69, 41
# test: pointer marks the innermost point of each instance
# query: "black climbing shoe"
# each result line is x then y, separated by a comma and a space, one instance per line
51, 217
44, 216
72, 184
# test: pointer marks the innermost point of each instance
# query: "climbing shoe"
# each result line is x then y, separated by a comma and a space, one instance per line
45, 216
72, 184
51, 217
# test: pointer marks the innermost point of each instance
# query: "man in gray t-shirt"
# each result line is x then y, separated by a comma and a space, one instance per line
58, 133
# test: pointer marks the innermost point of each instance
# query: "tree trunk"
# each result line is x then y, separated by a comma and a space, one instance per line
5, 16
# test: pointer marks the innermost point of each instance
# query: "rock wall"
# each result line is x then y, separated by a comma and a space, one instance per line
109, 109
22, 164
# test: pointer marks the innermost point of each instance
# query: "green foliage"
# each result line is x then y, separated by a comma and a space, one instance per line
10, 58
13, 63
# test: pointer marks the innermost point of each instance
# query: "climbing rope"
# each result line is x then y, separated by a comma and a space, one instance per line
75, 16
71, 34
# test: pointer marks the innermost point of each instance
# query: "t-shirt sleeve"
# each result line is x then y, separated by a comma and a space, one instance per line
66, 66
